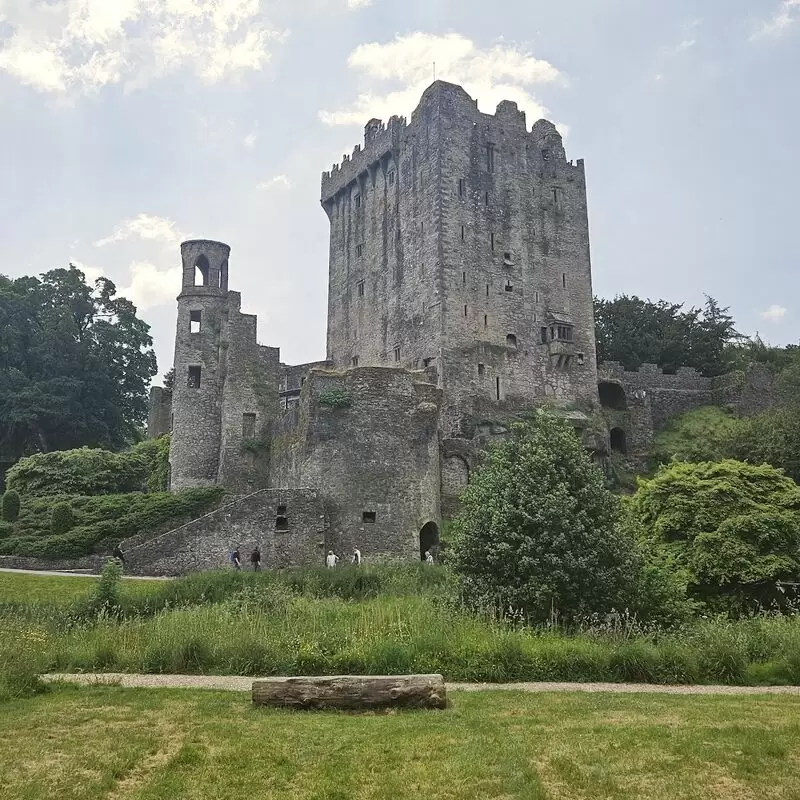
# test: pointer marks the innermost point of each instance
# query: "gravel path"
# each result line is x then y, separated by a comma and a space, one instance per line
238, 683
81, 574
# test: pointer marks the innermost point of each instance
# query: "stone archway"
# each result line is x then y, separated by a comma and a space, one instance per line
612, 395
618, 442
428, 539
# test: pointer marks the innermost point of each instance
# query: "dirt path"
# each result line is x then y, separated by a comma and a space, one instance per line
238, 683
80, 574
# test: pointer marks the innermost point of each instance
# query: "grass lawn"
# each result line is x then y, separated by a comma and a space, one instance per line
58, 589
108, 742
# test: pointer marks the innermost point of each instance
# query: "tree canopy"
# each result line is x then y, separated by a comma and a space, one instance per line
538, 529
734, 527
635, 331
75, 364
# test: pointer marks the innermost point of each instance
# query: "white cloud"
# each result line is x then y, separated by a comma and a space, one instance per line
250, 139
278, 181
787, 13
78, 46
501, 72
91, 273
359, 3
774, 313
144, 226
679, 48
150, 286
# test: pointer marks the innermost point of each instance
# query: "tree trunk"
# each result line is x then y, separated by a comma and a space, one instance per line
353, 692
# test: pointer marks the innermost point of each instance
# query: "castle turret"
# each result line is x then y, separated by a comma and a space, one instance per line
199, 365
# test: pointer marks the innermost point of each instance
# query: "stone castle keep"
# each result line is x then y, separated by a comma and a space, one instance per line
459, 296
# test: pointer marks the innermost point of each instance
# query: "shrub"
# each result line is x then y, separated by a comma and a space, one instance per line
85, 471
9, 506
703, 434
733, 527
539, 531
5, 529
61, 519
155, 453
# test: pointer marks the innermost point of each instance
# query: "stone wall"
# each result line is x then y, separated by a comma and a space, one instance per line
456, 239
368, 438
747, 392
287, 524
159, 416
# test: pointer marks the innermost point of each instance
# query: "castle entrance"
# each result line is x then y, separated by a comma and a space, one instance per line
428, 539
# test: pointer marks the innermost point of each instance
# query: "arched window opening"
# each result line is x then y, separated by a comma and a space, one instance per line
428, 540
618, 443
612, 395
511, 341
201, 271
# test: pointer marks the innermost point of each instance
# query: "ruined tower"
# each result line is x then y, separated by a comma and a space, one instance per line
460, 240
226, 384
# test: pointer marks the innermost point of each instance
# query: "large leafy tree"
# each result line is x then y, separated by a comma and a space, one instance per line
733, 527
75, 363
538, 530
635, 331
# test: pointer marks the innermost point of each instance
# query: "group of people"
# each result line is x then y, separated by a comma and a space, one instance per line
255, 559
331, 560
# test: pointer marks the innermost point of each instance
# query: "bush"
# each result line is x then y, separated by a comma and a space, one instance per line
703, 434
85, 471
61, 519
9, 506
103, 520
539, 531
733, 527
155, 453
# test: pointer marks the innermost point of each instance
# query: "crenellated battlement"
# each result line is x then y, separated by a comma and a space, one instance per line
651, 376
379, 140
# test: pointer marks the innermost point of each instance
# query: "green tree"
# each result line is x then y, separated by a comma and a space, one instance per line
772, 437
733, 527
75, 364
635, 331
61, 519
9, 506
538, 529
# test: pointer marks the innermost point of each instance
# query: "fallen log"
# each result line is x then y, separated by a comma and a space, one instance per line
351, 692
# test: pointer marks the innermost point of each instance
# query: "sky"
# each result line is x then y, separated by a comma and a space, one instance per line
127, 126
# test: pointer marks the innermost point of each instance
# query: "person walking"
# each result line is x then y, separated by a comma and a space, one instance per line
331, 559
428, 557
118, 554
356, 560
236, 559
255, 559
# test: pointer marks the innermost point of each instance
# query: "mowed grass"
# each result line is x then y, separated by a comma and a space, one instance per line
60, 590
108, 742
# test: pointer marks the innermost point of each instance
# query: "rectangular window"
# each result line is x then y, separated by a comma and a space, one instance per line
465, 311
461, 189
497, 387
359, 250
281, 520
564, 333
391, 177
508, 259
368, 516
360, 288
248, 426
543, 335
490, 158
397, 354
486, 199
354, 361
509, 287
487, 289
481, 370
193, 380
536, 297
545, 155
464, 278
485, 320
194, 321
491, 241
462, 233
564, 279
358, 201
426, 362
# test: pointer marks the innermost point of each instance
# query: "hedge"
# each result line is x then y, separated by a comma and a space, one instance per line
102, 521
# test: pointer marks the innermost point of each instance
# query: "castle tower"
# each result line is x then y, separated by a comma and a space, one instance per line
199, 365
460, 240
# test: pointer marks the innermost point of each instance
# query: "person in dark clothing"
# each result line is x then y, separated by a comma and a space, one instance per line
118, 554
255, 559
236, 559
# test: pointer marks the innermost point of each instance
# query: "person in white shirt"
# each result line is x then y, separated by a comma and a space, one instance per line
331, 559
356, 557
428, 557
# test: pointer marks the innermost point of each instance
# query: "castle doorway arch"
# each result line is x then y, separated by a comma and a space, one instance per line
618, 443
612, 395
428, 539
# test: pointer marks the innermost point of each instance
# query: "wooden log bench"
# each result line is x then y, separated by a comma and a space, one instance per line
351, 692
